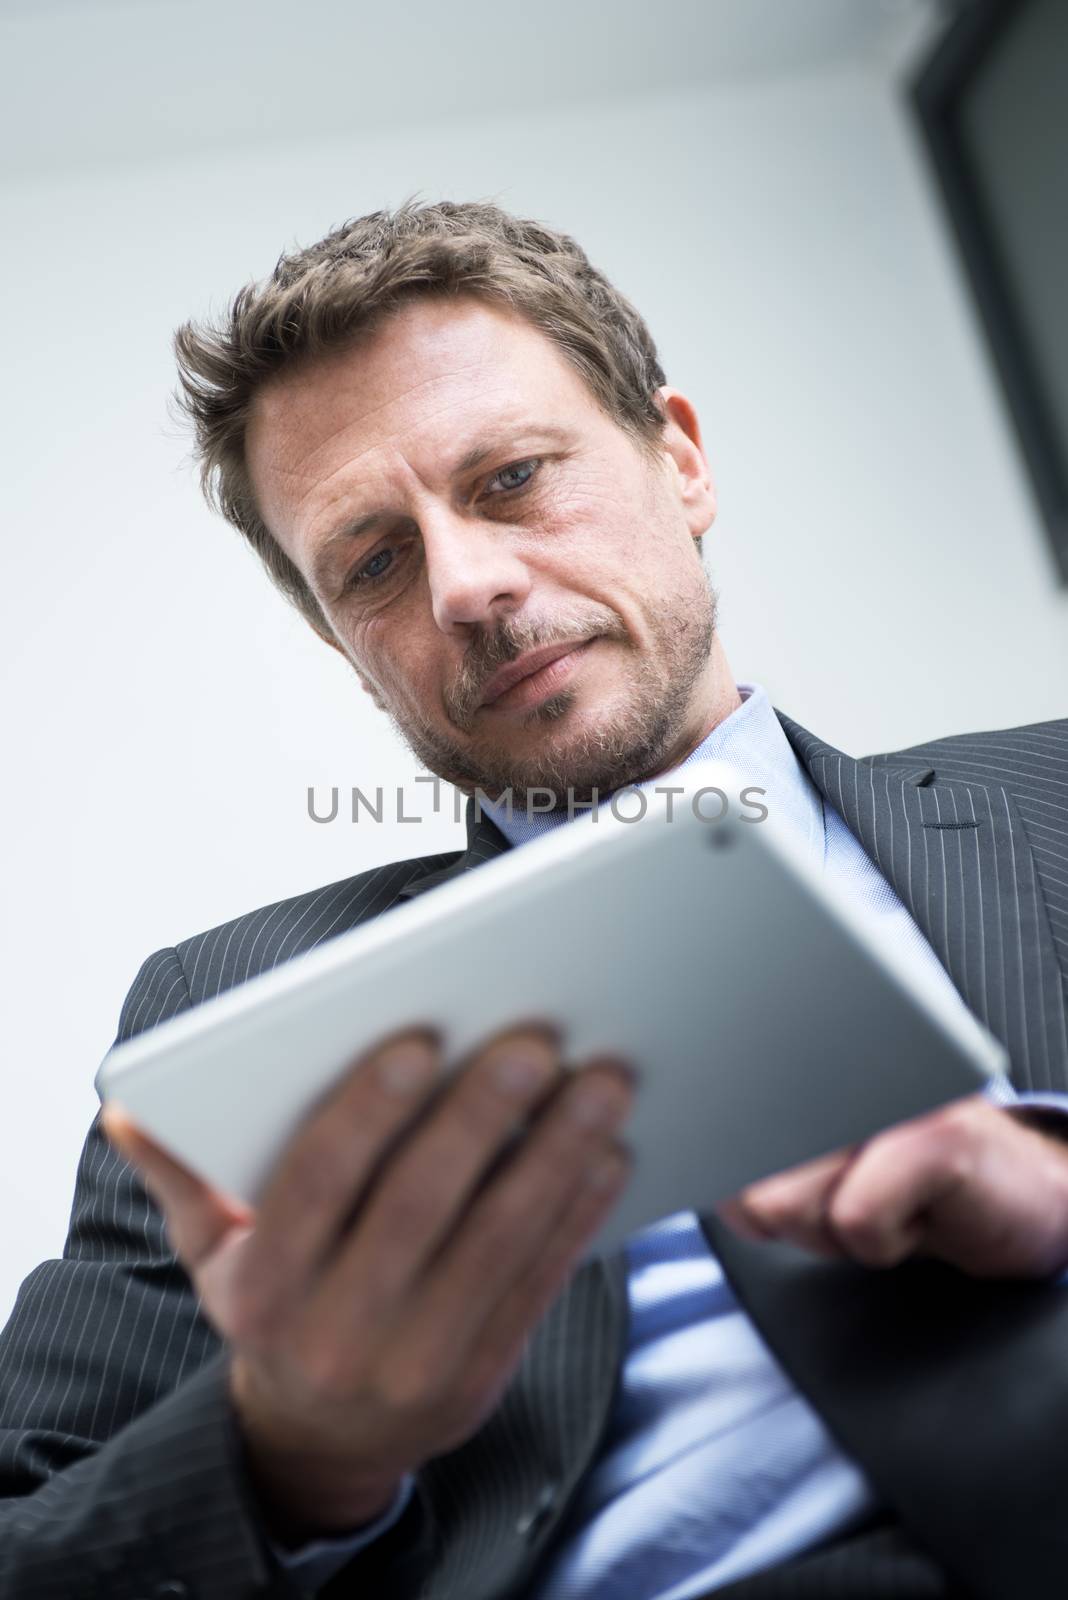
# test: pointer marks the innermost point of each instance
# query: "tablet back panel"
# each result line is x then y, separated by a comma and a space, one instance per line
767, 1018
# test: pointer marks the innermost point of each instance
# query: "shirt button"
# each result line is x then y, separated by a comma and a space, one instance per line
539, 1511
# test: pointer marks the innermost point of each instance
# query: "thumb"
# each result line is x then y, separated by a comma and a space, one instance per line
198, 1217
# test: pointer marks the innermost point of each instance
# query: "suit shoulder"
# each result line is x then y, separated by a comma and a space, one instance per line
221, 957
1032, 757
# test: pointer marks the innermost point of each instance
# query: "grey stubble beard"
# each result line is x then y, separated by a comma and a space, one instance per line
627, 748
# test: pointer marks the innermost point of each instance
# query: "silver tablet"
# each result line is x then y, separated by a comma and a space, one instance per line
768, 1021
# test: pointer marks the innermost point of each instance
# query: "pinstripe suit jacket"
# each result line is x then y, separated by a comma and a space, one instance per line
120, 1463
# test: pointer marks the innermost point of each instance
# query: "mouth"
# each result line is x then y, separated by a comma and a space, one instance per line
534, 676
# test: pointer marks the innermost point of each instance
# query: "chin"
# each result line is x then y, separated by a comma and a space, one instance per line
567, 746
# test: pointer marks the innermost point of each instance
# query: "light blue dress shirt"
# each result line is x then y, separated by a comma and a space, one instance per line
714, 1465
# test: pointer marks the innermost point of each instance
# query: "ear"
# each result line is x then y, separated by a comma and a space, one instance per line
684, 450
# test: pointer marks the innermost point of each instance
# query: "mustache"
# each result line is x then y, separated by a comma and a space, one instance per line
513, 637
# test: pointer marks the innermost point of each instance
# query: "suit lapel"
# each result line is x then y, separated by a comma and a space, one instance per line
484, 841
959, 858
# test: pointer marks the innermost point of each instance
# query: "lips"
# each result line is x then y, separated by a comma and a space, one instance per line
527, 664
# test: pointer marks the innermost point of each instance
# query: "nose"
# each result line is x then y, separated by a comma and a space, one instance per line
474, 571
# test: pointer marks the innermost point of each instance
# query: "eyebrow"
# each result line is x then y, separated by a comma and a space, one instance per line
349, 533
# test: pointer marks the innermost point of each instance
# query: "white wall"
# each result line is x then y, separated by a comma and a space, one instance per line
880, 563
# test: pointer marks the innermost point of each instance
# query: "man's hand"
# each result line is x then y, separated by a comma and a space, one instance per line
378, 1300
968, 1184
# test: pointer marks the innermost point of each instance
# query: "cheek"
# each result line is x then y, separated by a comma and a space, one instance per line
368, 646
606, 517
576, 540
581, 498
389, 656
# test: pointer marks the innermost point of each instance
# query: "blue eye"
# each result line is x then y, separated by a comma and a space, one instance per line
366, 570
520, 474
372, 569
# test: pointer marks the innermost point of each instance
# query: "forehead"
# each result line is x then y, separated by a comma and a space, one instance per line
423, 389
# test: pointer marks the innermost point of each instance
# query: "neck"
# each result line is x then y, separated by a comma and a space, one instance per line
719, 697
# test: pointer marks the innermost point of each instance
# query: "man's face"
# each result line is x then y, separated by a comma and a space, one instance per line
456, 499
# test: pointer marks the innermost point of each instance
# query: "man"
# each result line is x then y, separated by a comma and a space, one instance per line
451, 442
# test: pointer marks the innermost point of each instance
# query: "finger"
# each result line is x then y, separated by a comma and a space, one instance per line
499, 1346
518, 1217
329, 1163
792, 1206
741, 1220
420, 1195
965, 1184
197, 1216
880, 1212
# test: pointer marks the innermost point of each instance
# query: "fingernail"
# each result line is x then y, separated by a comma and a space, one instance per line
406, 1071
621, 1067
523, 1071
597, 1105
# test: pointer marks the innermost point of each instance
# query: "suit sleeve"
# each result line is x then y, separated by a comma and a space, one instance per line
121, 1469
